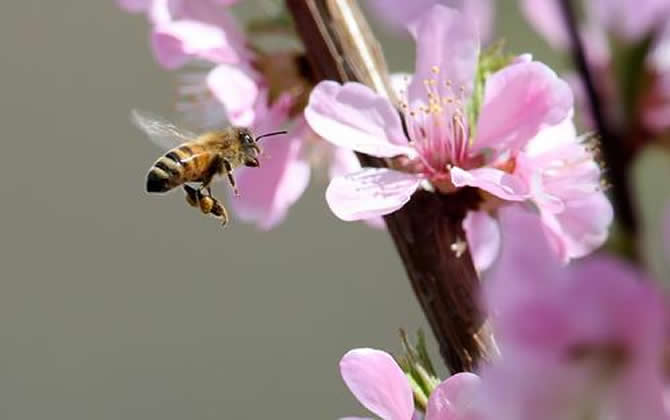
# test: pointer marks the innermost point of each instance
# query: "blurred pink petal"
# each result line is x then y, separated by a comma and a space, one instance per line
446, 42
546, 18
630, 20
519, 100
175, 43
237, 90
483, 236
134, 6
267, 192
455, 399
569, 351
354, 117
378, 383
397, 13
370, 192
497, 182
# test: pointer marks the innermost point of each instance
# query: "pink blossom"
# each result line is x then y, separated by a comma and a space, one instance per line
381, 386
566, 188
197, 29
396, 13
233, 85
584, 341
514, 156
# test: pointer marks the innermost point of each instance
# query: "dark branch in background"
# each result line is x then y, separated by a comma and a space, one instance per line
613, 147
340, 46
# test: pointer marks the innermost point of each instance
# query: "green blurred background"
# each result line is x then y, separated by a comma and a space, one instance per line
117, 305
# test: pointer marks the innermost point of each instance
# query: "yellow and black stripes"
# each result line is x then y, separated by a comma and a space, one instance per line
186, 163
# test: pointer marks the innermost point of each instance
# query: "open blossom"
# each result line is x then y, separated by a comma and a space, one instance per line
382, 387
519, 103
230, 82
577, 342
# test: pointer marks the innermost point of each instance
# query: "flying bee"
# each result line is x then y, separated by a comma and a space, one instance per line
193, 158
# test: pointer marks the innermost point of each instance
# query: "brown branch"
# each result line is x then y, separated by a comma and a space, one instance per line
341, 47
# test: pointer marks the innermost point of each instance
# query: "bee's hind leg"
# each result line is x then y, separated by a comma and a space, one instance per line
192, 195
220, 211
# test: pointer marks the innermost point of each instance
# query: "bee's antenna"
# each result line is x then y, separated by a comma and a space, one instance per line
274, 133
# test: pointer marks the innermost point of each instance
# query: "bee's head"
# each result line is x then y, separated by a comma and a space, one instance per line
250, 148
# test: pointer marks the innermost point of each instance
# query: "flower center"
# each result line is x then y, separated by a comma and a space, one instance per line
437, 123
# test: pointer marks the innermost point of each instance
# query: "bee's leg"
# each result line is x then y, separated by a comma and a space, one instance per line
208, 204
220, 211
192, 195
228, 169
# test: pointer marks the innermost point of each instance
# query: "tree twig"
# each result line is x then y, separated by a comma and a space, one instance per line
341, 47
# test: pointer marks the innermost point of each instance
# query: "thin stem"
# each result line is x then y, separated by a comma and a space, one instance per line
613, 149
340, 46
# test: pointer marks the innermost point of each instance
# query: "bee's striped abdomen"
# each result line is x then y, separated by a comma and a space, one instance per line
166, 173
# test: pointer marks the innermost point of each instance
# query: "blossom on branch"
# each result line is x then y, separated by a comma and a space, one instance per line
503, 142
230, 80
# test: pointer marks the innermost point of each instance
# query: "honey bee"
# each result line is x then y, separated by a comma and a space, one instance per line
193, 158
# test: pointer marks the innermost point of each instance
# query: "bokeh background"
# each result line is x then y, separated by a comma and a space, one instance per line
117, 305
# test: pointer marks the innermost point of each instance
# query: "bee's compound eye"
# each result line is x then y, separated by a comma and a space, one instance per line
246, 138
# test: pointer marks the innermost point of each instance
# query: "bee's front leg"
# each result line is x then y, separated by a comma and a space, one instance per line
228, 169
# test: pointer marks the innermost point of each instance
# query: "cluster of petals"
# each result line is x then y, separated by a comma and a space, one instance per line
522, 150
586, 341
224, 85
381, 386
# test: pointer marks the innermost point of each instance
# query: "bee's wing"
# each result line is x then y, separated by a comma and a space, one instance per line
159, 130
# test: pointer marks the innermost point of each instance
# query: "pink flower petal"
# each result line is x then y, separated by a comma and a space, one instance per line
479, 11
518, 101
134, 6
552, 138
615, 16
175, 43
581, 227
354, 117
483, 236
446, 41
345, 162
370, 192
378, 383
237, 90
547, 18
497, 182
454, 399
267, 192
